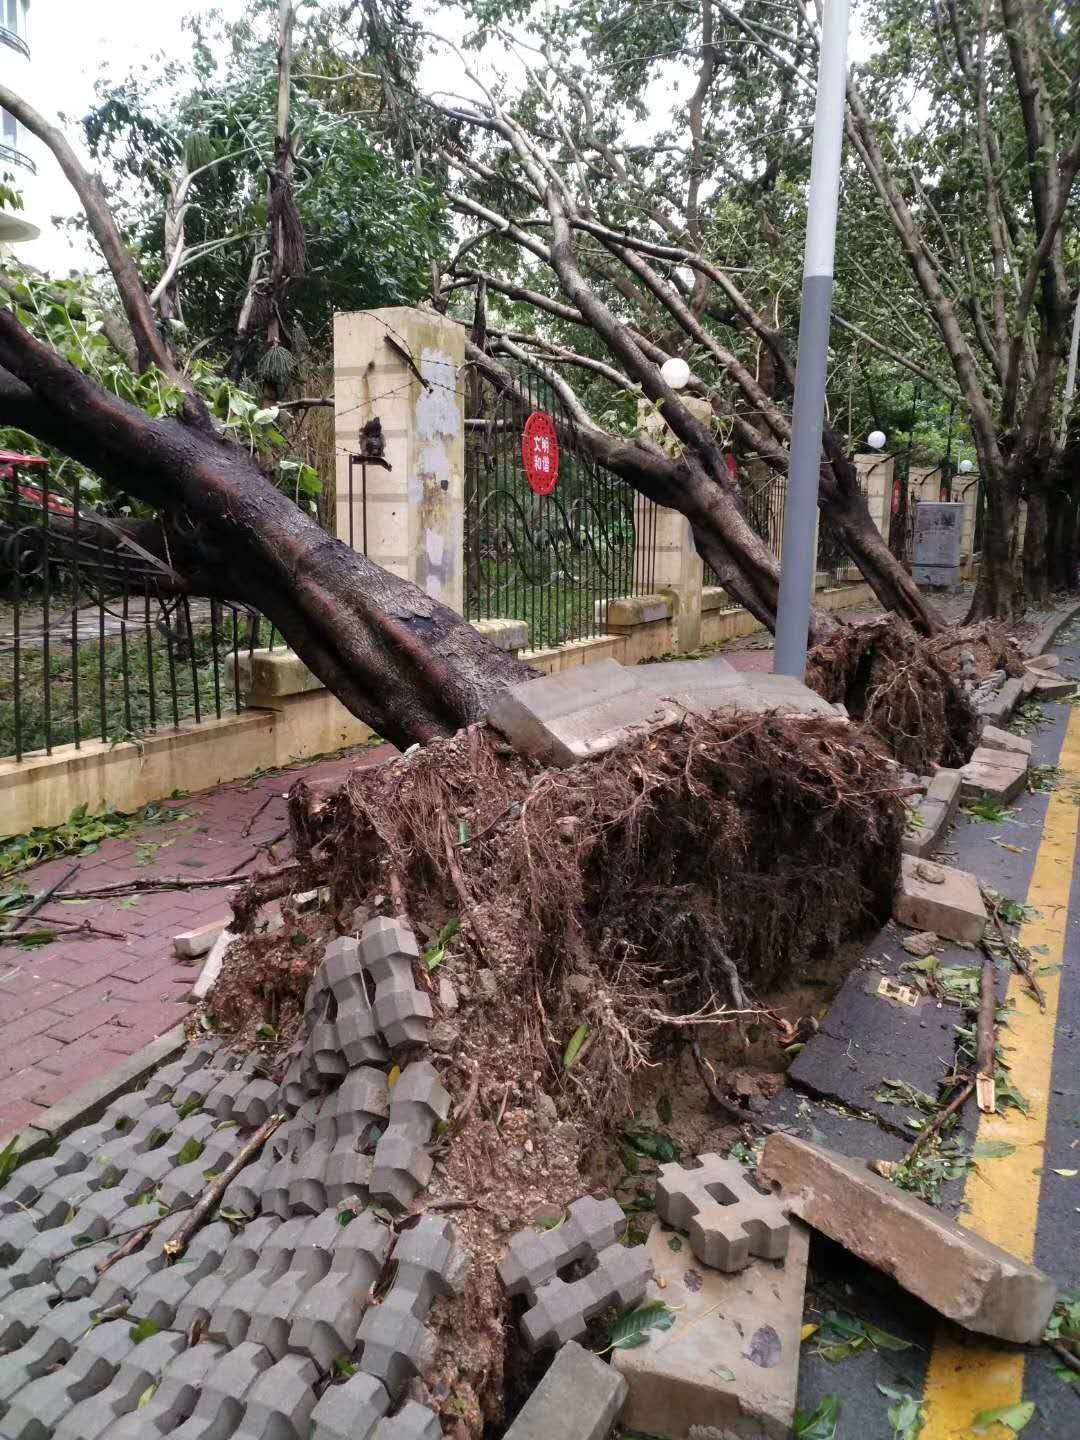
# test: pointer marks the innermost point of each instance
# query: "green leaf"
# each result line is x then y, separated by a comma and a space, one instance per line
820, 1424
147, 1395
1014, 1417
448, 931
9, 1160
993, 1149
143, 1331
189, 1151
573, 1050
631, 1329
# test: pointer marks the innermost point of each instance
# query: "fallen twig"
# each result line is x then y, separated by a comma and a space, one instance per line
118, 1235
246, 831
985, 1041
461, 1112
1064, 1354
130, 1245
213, 1193
933, 1126
1014, 952
42, 899
729, 1108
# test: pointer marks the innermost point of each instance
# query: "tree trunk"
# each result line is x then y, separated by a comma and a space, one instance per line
1036, 539
401, 662
996, 591
885, 574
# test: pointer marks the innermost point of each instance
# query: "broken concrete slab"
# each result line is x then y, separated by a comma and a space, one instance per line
578, 1399
1053, 687
998, 707
941, 899
956, 1272
731, 1360
993, 738
569, 717
996, 775
193, 944
868, 1038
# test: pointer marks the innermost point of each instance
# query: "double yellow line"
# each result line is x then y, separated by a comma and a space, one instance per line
1001, 1197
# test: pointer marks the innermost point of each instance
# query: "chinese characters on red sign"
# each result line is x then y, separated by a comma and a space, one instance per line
540, 452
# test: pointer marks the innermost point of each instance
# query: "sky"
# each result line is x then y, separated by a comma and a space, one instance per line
72, 42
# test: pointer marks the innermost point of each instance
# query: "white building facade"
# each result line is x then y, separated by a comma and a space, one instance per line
18, 165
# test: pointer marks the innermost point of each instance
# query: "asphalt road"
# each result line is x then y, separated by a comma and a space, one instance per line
1018, 1201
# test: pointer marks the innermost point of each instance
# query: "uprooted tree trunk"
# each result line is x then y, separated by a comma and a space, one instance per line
406, 665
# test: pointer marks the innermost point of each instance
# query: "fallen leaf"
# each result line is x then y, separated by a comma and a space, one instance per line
1067, 1174
765, 1348
1015, 1417
806, 1332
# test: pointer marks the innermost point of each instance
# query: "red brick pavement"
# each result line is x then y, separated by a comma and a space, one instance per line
72, 1010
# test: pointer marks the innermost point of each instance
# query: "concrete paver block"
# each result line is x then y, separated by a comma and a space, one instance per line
245, 1190
341, 968
402, 1166
383, 942
962, 1276
326, 1318
220, 1404
280, 1403
159, 1298
536, 1256
174, 1399
730, 1361
358, 1034
997, 775
941, 899
728, 1221
271, 1315
39, 1407
51, 1344
350, 1411
396, 1347
22, 1311
595, 1392
412, 1422
402, 1012
232, 1314
240, 1258
563, 1309
140, 1369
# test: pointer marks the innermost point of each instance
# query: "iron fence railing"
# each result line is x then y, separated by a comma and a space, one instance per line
95, 643
764, 508
554, 560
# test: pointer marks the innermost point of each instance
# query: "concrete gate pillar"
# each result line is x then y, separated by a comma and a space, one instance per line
876, 478
404, 366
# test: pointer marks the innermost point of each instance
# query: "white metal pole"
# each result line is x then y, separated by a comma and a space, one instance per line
799, 561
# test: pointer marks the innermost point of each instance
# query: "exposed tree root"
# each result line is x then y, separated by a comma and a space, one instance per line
900, 687
750, 844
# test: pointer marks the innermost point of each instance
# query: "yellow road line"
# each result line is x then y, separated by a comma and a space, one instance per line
1001, 1197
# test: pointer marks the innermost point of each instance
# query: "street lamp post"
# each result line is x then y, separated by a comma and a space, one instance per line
800, 510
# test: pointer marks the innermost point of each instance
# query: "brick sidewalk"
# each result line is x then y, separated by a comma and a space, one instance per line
72, 1010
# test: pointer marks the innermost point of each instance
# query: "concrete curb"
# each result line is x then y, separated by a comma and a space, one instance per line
88, 1103
1046, 634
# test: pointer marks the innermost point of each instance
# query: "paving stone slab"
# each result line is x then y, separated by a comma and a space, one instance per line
326, 1318
939, 898
730, 1362
962, 1276
727, 1219
866, 1039
573, 716
579, 1398
997, 775
993, 738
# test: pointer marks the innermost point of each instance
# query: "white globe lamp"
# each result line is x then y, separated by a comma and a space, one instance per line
876, 439
676, 373
965, 467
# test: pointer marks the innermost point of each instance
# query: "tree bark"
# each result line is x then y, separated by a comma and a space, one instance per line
400, 661
996, 591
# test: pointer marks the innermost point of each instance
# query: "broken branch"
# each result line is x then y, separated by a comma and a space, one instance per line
213, 1193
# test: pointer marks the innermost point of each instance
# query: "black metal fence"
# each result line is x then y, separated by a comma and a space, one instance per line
554, 560
94, 642
764, 502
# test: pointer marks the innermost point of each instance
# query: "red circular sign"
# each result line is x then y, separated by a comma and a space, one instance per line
540, 452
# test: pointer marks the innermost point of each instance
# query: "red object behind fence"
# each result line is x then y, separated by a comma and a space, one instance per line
540, 452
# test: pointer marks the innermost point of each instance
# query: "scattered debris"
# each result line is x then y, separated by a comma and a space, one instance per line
194, 944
